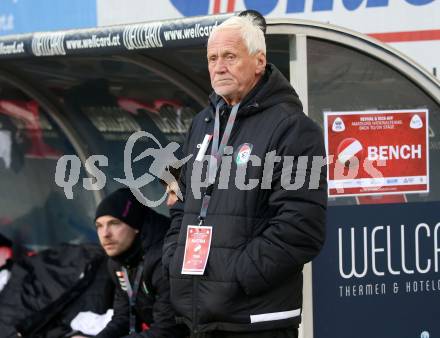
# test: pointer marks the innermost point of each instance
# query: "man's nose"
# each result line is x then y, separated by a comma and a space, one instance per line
106, 231
220, 66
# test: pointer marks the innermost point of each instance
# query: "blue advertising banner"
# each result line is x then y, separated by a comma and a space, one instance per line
378, 274
25, 16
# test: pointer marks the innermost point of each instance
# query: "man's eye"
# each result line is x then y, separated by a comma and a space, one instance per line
114, 223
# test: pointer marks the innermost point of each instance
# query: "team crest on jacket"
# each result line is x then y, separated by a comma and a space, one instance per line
243, 154
120, 275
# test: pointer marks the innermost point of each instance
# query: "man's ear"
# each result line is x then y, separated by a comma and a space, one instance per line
260, 60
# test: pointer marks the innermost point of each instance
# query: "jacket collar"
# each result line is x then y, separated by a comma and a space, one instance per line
132, 255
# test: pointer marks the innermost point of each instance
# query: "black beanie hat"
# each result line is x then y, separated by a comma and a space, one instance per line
124, 206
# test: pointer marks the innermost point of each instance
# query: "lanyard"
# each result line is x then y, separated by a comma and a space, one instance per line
217, 153
132, 293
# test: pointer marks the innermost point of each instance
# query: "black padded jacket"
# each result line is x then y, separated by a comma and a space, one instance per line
262, 235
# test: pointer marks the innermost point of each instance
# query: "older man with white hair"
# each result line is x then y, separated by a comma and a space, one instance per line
235, 254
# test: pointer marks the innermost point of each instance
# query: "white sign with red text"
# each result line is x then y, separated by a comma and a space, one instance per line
377, 152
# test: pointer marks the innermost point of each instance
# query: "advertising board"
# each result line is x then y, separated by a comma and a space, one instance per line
377, 152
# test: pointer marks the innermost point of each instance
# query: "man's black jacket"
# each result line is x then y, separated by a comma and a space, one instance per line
261, 236
152, 304
48, 290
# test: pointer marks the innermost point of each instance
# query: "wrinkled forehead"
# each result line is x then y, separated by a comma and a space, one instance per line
225, 38
226, 33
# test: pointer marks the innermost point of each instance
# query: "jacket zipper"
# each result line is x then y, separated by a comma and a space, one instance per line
196, 279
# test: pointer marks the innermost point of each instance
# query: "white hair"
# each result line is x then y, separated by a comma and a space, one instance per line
249, 30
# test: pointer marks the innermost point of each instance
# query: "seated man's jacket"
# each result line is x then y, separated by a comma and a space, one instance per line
155, 317
47, 290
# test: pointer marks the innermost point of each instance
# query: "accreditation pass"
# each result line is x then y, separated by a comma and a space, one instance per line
197, 246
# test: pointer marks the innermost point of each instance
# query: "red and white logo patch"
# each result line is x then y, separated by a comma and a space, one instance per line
243, 154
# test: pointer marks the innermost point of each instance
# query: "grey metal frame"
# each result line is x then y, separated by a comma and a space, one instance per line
361, 42
50, 104
190, 87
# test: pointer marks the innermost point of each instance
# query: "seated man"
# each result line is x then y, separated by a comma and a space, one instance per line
132, 235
